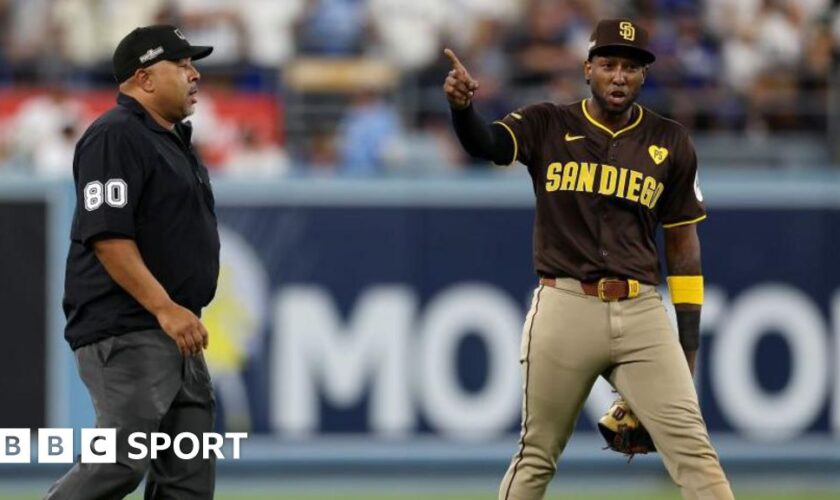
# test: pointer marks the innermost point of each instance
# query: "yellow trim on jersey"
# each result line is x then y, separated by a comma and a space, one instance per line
595, 122
515, 144
684, 223
686, 289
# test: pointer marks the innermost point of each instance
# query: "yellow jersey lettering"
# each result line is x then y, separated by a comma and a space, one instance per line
622, 179
620, 182
586, 177
570, 172
634, 186
553, 177
660, 188
648, 190
609, 174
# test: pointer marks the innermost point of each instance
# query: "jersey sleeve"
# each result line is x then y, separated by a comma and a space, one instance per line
109, 178
527, 126
682, 201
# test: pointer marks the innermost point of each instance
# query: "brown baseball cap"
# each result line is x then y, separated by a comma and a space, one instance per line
621, 34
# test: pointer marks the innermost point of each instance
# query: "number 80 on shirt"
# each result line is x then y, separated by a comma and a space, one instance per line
114, 193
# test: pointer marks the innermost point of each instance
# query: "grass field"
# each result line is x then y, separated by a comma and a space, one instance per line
640, 495
634, 495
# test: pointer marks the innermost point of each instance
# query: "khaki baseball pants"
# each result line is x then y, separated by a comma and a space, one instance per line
569, 339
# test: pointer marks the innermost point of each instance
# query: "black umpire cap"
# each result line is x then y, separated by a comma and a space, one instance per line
621, 34
147, 45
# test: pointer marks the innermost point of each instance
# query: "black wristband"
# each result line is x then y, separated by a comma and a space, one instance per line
688, 325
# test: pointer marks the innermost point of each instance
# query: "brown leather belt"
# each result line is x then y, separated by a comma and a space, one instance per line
606, 289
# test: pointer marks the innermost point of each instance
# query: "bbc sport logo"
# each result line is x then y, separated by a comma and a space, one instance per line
55, 445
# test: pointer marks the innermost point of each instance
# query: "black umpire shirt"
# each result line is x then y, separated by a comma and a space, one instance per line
135, 179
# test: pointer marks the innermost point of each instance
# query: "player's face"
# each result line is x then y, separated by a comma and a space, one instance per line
615, 81
176, 86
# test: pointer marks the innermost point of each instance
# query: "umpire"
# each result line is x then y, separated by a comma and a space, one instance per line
143, 262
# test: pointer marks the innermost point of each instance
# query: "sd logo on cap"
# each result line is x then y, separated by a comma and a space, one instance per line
622, 35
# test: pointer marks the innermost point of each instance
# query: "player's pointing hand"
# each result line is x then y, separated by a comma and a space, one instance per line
459, 86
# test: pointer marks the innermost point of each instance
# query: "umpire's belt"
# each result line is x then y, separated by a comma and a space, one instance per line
606, 289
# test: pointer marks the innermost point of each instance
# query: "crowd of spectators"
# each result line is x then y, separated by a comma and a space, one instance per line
358, 81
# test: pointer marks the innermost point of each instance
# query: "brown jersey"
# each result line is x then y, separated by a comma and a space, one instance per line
601, 194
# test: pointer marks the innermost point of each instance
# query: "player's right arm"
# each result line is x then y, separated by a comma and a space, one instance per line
479, 139
122, 259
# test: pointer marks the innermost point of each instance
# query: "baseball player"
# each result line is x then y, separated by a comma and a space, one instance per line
143, 262
605, 172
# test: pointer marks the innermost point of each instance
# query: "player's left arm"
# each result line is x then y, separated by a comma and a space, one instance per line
685, 281
679, 212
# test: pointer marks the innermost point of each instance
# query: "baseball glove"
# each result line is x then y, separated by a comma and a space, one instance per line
623, 431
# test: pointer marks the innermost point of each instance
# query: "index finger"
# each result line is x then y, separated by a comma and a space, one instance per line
456, 63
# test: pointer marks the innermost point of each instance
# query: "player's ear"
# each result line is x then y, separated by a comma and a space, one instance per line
587, 70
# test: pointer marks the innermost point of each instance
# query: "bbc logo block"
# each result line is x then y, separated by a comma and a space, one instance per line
55, 446
14, 446
99, 445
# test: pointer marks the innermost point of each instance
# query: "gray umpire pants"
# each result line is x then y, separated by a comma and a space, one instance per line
141, 382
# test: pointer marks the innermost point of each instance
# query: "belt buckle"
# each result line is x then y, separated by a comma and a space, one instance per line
602, 293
